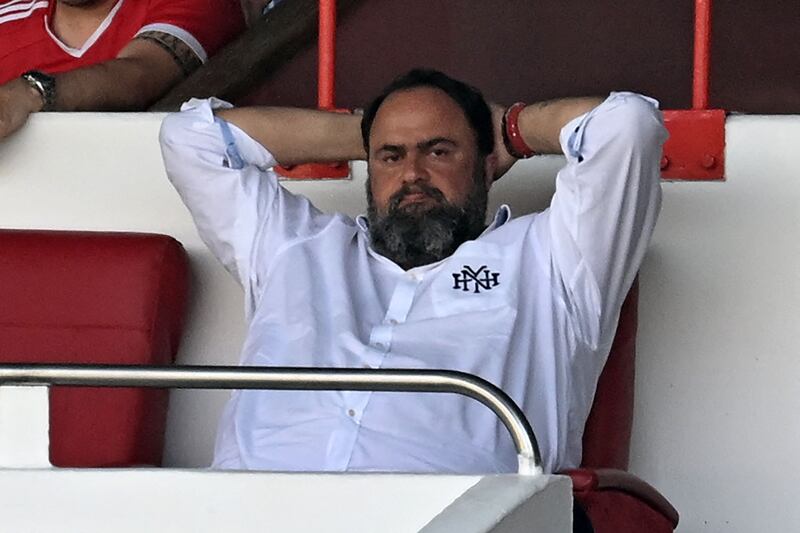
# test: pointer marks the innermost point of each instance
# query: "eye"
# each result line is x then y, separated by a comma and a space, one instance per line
439, 152
390, 158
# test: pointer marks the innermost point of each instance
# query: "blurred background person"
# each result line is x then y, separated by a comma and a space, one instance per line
81, 55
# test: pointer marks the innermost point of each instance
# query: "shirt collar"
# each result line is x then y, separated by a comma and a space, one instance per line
501, 216
363, 223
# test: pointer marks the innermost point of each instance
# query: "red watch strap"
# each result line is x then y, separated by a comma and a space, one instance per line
512, 137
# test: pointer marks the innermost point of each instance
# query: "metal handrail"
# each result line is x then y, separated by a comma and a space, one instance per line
291, 378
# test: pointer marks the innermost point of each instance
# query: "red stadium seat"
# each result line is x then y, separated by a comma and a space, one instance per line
111, 298
615, 500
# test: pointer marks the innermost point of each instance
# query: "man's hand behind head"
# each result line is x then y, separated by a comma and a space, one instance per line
504, 160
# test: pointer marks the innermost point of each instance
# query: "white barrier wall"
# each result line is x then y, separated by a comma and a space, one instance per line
718, 381
192, 501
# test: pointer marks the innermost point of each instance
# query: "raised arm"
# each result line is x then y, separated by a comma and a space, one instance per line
300, 135
304, 135
607, 198
220, 161
540, 125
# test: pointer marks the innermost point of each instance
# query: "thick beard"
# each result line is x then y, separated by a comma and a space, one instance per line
416, 235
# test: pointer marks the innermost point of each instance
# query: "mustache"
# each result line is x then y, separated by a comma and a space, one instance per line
419, 188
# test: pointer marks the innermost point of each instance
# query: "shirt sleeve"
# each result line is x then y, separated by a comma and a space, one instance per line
205, 26
225, 179
604, 210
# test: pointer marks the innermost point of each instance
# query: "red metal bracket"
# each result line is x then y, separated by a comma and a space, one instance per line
695, 150
316, 171
334, 170
326, 84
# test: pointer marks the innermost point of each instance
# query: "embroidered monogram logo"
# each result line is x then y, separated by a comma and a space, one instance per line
475, 280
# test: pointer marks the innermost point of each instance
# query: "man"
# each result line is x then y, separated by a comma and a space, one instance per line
78, 55
528, 303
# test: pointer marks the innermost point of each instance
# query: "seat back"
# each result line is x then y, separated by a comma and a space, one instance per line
80, 297
607, 434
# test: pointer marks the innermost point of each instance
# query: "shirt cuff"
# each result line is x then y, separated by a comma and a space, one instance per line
237, 141
571, 135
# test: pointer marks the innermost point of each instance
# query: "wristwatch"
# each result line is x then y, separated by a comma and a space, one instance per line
45, 85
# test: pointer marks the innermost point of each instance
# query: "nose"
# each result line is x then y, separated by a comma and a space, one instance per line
414, 168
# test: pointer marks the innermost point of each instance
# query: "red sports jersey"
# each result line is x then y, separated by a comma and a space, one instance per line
27, 42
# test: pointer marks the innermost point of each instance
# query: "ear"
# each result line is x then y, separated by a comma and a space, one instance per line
489, 169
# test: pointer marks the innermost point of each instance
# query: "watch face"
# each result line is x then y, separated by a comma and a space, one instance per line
41, 76
45, 84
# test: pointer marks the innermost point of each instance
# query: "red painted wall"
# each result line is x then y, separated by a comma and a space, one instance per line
532, 50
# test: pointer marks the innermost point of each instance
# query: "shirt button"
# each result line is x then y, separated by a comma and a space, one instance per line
366, 365
380, 346
351, 413
393, 321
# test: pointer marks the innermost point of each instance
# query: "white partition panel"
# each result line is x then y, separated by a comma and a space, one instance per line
718, 372
174, 501
718, 378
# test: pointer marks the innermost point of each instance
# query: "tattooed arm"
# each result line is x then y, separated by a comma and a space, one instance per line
540, 124
142, 72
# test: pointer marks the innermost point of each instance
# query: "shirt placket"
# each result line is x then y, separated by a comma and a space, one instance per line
380, 340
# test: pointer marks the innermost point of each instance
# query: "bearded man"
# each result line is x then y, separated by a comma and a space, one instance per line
528, 303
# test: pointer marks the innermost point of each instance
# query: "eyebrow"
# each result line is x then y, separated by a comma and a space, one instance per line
423, 145
394, 148
436, 140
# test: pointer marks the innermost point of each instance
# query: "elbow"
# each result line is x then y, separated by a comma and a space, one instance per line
170, 136
172, 129
635, 121
167, 134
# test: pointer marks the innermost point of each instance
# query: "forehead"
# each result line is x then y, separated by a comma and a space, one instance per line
421, 113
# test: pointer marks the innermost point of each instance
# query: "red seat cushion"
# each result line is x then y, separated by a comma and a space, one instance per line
80, 297
607, 434
618, 512
615, 500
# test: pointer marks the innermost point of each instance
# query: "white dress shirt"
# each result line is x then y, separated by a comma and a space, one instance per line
531, 305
